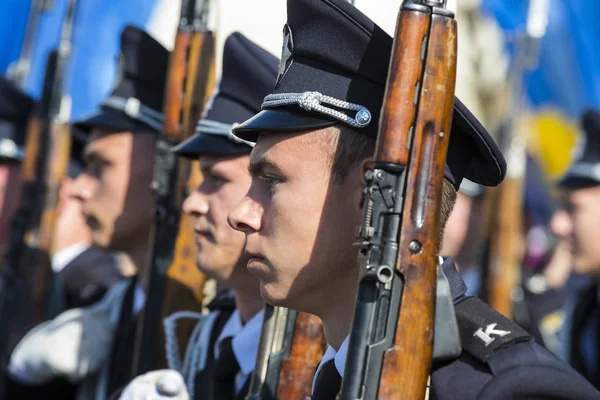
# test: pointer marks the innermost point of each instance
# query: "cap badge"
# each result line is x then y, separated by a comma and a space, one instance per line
286, 52
120, 71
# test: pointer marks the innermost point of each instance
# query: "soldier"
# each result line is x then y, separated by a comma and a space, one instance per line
82, 272
88, 352
300, 213
85, 273
578, 225
226, 340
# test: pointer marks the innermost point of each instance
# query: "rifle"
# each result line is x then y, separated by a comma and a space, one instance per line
291, 345
27, 276
391, 342
173, 265
47, 153
504, 207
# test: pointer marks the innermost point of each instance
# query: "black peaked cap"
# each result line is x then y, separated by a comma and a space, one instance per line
332, 48
15, 109
136, 102
249, 74
585, 170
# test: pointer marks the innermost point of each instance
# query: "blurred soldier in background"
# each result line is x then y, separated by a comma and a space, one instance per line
579, 226
83, 272
88, 351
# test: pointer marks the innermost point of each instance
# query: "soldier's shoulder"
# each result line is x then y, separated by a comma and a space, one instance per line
500, 361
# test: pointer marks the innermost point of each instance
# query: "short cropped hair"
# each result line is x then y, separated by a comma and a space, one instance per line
349, 148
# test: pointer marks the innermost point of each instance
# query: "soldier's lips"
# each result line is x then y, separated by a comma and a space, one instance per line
255, 262
202, 236
92, 222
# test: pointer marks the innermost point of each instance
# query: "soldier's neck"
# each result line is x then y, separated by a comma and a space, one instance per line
140, 257
337, 308
247, 306
248, 302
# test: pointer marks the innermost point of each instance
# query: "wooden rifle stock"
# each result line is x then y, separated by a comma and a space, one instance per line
506, 238
406, 366
307, 349
200, 82
409, 159
291, 345
177, 285
57, 166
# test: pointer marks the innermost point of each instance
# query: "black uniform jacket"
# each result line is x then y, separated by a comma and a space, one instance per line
499, 359
87, 278
582, 307
222, 306
203, 381
120, 363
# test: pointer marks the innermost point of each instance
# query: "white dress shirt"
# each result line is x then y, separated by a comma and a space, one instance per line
339, 357
244, 344
63, 257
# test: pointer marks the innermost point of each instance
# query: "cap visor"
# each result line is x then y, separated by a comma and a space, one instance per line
487, 168
581, 175
280, 120
109, 120
209, 145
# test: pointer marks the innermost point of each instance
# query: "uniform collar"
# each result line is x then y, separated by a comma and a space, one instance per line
63, 257
339, 359
245, 339
457, 288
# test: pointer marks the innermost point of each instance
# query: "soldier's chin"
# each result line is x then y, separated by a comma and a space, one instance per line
100, 239
272, 294
212, 271
583, 265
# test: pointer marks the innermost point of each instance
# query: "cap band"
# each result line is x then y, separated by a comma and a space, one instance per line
313, 101
210, 127
134, 109
584, 170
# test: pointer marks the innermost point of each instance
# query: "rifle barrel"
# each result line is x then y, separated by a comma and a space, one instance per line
391, 342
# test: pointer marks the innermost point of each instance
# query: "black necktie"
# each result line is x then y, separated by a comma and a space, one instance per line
226, 367
328, 382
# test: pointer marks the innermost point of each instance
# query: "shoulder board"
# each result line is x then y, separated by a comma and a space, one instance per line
484, 331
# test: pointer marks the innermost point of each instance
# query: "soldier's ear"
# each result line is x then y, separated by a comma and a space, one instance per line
367, 165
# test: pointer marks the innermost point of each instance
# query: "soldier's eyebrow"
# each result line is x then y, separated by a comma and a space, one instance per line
260, 166
90, 156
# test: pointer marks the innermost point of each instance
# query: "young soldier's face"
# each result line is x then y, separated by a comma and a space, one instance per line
220, 248
117, 201
299, 223
580, 226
